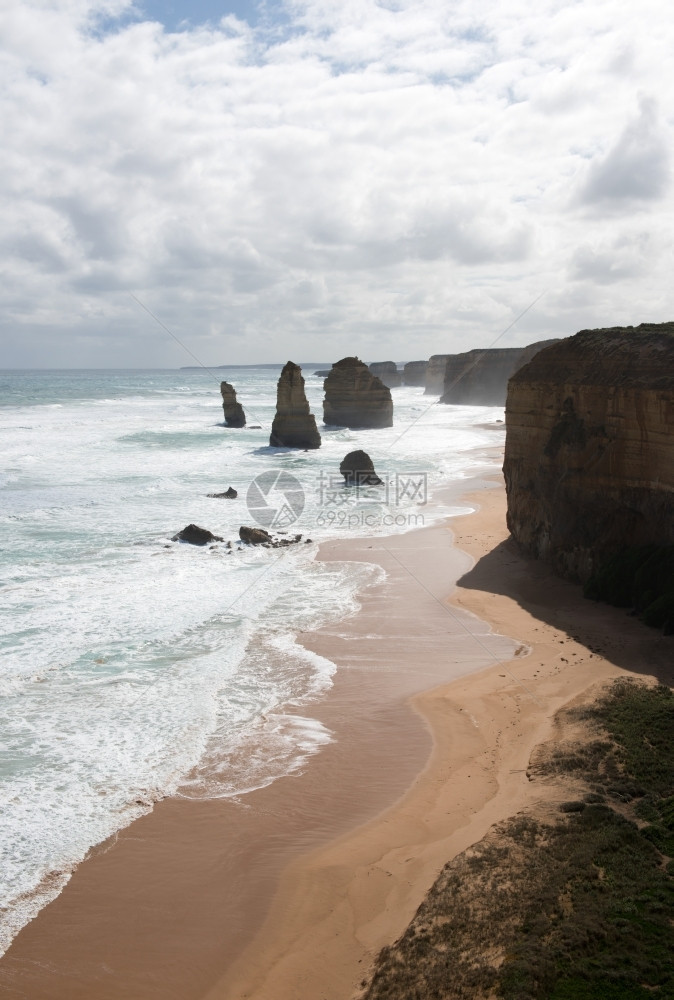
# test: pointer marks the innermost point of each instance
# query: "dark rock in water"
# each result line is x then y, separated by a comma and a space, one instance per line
196, 535
281, 543
354, 397
229, 494
388, 372
358, 470
322, 374
254, 427
258, 536
234, 415
254, 536
294, 425
414, 373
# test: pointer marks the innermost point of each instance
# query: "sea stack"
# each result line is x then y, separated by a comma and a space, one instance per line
354, 397
234, 415
388, 372
294, 425
589, 454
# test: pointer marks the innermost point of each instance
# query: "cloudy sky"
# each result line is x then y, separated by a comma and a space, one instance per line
306, 179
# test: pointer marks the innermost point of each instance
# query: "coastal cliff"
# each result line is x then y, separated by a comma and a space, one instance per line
480, 377
294, 425
589, 455
414, 373
354, 397
435, 374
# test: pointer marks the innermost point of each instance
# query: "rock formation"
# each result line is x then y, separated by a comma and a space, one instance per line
414, 373
589, 456
388, 372
254, 536
234, 415
229, 494
294, 425
358, 470
322, 374
354, 397
196, 535
480, 377
258, 536
435, 374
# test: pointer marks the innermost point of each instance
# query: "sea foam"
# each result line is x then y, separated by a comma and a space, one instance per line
132, 667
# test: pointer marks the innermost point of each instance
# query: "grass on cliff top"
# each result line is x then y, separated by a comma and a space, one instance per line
577, 904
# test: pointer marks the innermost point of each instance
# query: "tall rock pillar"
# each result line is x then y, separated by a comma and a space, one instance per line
234, 415
294, 425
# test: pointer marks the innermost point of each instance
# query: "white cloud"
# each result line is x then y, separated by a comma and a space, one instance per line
617, 260
384, 178
637, 167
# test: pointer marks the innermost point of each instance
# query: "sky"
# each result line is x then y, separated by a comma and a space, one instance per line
309, 179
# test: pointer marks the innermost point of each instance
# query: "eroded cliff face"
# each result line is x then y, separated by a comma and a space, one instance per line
414, 373
589, 456
480, 377
354, 397
435, 374
294, 425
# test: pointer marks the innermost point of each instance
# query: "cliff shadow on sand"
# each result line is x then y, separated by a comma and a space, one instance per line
607, 632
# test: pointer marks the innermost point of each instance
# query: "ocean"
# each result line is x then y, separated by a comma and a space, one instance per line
133, 667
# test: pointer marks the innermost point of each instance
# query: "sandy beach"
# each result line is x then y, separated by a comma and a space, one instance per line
291, 891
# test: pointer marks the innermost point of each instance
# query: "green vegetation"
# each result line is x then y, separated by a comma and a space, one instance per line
575, 903
640, 577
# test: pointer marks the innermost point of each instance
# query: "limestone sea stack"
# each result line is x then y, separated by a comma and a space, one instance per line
294, 425
480, 377
234, 415
354, 397
388, 372
414, 373
589, 454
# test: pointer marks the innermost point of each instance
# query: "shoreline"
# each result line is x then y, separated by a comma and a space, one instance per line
231, 899
337, 907
163, 907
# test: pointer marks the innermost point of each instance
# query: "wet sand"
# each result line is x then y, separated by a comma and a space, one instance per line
288, 893
336, 907
167, 907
